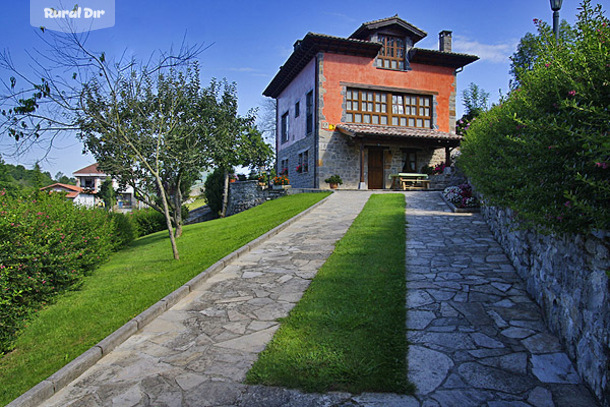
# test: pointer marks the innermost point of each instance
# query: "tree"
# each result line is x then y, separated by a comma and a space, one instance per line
475, 102
107, 194
7, 182
138, 113
531, 46
234, 140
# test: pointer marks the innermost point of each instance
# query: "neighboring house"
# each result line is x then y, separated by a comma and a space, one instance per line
77, 194
91, 178
366, 106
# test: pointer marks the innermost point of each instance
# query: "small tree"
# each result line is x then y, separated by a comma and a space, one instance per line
475, 102
107, 194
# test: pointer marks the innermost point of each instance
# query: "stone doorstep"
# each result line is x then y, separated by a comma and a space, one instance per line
58, 380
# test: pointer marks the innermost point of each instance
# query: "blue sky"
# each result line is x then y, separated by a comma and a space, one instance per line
250, 40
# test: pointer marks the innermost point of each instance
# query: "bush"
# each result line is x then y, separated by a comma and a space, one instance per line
545, 151
147, 221
46, 246
214, 190
125, 230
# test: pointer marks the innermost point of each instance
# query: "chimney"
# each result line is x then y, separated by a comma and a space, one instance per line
444, 41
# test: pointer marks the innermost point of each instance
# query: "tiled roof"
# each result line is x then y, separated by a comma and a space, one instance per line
440, 58
72, 190
91, 169
363, 31
362, 130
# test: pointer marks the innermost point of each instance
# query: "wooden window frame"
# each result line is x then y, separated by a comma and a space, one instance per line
309, 112
284, 127
392, 53
388, 108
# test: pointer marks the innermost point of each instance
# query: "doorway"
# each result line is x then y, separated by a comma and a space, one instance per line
375, 168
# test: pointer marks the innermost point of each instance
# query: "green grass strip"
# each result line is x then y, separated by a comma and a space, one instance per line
348, 331
131, 281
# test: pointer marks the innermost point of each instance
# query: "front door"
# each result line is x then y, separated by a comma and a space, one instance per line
375, 168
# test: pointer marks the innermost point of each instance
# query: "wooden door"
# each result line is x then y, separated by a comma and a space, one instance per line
375, 168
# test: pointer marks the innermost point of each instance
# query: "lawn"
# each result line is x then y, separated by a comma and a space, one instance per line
131, 281
348, 331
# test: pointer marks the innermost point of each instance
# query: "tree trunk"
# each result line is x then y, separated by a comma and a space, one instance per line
168, 219
225, 195
178, 206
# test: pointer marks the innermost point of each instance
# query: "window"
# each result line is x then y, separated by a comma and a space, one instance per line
392, 54
283, 170
309, 112
303, 166
284, 127
387, 108
410, 163
297, 108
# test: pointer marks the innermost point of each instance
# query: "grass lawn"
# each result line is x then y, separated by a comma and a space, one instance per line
348, 331
131, 281
197, 203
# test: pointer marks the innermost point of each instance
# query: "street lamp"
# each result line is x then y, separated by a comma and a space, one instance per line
556, 6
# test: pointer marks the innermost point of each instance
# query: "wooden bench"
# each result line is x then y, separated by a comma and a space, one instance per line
404, 181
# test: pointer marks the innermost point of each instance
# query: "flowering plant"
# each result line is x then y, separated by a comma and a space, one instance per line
439, 168
461, 196
281, 180
299, 168
284, 171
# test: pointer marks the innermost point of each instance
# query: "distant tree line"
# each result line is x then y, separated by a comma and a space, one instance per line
14, 178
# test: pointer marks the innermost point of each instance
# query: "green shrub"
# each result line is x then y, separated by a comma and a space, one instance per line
214, 190
147, 221
545, 151
46, 246
125, 230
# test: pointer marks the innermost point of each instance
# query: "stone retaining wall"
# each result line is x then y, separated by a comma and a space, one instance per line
244, 195
567, 278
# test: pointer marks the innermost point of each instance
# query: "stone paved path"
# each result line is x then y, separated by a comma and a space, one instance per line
477, 338
198, 352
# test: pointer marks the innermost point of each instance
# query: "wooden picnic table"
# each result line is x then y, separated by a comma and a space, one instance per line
408, 180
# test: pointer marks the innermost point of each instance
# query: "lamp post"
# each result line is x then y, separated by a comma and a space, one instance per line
556, 6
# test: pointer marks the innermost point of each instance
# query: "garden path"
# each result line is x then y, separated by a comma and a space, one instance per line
477, 339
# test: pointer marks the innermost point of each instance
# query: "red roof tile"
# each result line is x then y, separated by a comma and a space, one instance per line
91, 169
72, 190
361, 130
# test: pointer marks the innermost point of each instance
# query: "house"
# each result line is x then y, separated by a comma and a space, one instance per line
365, 106
91, 178
75, 193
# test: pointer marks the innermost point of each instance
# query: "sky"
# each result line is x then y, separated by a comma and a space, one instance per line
247, 41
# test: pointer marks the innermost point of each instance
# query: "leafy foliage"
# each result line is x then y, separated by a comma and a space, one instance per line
47, 245
214, 189
475, 102
545, 152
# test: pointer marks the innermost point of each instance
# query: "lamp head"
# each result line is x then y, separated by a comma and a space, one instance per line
556, 5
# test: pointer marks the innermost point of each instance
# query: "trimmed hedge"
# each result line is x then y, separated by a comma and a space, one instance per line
545, 151
47, 245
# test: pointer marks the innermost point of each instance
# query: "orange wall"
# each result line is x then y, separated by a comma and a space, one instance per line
360, 70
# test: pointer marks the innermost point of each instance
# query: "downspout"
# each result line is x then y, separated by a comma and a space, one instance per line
277, 142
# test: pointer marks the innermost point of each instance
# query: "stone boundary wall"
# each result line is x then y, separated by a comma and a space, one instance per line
244, 195
566, 275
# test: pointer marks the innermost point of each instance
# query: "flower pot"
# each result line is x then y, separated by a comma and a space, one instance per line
282, 186
333, 186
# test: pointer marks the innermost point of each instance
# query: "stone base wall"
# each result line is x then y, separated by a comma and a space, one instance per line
303, 179
566, 275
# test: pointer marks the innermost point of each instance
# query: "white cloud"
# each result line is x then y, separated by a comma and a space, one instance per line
495, 53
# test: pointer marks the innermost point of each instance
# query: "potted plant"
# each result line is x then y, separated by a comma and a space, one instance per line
281, 182
334, 181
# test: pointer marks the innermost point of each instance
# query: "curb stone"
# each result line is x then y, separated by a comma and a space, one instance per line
48, 387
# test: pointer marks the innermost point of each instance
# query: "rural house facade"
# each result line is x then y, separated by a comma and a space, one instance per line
90, 179
366, 106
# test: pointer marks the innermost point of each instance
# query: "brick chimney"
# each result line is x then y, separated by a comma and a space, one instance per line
444, 41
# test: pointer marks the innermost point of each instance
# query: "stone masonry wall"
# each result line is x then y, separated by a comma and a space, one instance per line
303, 179
567, 278
244, 195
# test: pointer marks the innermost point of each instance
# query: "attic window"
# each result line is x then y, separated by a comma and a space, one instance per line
392, 54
